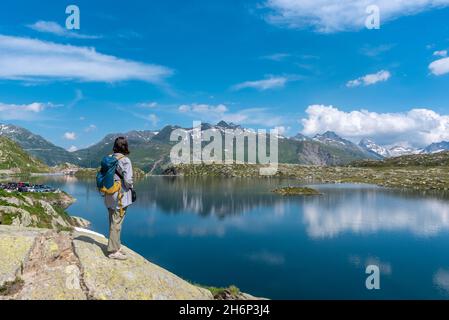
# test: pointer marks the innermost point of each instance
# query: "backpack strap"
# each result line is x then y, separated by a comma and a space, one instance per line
119, 157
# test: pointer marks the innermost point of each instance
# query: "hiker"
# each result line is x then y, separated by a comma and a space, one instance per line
115, 181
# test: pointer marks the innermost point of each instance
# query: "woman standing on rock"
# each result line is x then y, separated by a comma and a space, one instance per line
119, 193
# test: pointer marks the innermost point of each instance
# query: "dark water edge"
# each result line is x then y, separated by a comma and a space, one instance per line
236, 231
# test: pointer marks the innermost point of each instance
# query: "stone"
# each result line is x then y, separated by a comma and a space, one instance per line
15, 246
135, 278
80, 222
52, 271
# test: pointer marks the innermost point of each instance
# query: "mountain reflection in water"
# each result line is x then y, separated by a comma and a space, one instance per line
236, 231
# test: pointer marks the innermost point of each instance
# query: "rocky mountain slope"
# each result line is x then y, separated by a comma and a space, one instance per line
415, 160
437, 147
37, 146
14, 160
40, 264
151, 149
401, 150
373, 148
146, 150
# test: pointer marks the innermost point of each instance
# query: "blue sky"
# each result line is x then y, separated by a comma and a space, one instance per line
261, 63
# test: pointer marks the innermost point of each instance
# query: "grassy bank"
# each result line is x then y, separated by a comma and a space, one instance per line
414, 177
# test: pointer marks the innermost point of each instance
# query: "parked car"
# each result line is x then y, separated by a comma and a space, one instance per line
26, 187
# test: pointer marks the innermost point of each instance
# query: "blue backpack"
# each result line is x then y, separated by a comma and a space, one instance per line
105, 177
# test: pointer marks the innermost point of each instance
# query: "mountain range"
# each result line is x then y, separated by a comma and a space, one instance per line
36, 145
401, 150
151, 149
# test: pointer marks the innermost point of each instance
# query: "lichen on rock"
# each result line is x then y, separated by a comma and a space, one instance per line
74, 266
135, 278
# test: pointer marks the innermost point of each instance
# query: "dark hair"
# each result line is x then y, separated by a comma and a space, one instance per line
121, 146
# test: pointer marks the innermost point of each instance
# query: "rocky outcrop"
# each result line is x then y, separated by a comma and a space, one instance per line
44, 264
42, 210
80, 222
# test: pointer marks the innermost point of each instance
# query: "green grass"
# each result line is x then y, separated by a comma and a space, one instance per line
6, 219
44, 220
216, 292
11, 287
13, 157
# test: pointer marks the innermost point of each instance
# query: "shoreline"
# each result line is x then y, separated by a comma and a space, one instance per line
397, 177
411, 178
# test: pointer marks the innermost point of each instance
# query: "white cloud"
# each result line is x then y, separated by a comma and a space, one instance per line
154, 120
147, 105
440, 53
328, 16
216, 113
72, 149
375, 51
440, 67
277, 57
91, 128
21, 111
262, 85
184, 108
268, 258
370, 79
78, 97
56, 29
282, 130
441, 279
70, 136
32, 59
203, 109
424, 217
255, 116
419, 127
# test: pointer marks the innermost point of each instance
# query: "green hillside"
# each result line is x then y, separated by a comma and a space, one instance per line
37, 146
14, 160
150, 150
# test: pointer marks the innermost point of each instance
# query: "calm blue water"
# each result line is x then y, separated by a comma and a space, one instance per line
235, 231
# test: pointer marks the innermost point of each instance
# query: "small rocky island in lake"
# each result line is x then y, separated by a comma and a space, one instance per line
297, 191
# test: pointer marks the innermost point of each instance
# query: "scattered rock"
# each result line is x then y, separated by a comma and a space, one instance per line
297, 191
80, 222
36, 210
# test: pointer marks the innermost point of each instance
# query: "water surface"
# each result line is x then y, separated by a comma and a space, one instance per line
235, 231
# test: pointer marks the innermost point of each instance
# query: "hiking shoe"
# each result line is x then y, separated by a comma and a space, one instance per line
117, 256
